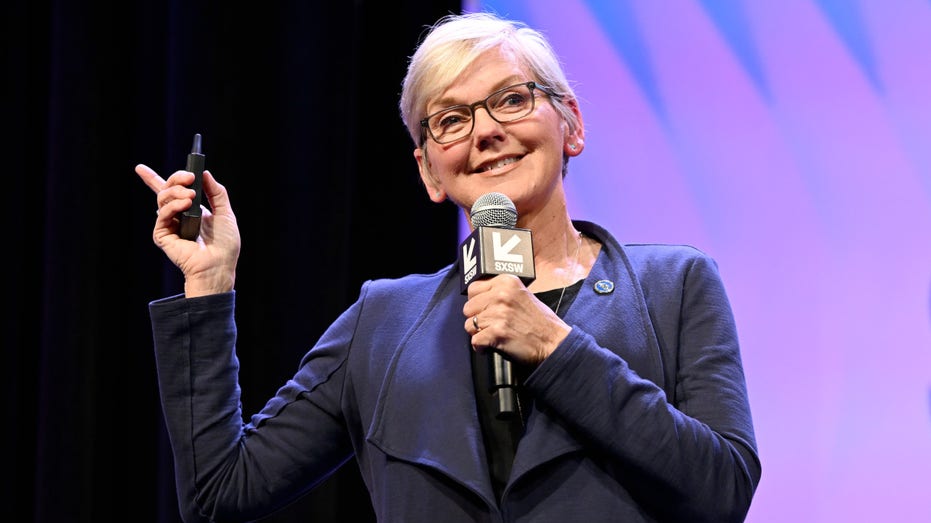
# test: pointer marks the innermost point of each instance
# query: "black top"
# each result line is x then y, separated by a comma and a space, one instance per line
501, 436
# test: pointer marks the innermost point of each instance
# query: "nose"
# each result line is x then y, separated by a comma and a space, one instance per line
486, 129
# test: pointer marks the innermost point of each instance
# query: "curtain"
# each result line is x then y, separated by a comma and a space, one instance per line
297, 106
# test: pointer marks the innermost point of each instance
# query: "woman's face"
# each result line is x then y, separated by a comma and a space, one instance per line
521, 159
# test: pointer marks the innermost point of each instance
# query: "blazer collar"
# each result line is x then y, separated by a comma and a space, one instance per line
425, 412
426, 409
627, 332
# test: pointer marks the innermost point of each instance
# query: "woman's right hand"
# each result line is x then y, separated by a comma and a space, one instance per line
209, 263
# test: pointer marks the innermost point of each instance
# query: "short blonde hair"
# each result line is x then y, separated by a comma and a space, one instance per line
455, 41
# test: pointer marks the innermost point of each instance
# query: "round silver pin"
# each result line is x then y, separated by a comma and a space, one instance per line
604, 286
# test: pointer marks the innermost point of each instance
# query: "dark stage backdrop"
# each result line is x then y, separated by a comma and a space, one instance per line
297, 105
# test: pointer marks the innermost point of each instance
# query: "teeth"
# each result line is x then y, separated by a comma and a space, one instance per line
500, 163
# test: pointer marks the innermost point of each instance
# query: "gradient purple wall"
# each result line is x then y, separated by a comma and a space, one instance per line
791, 140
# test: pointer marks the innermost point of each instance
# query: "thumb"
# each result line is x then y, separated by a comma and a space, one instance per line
216, 194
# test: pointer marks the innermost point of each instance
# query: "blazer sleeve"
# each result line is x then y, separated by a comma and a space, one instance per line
692, 457
226, 469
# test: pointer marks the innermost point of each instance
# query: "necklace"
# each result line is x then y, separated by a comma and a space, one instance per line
575, 269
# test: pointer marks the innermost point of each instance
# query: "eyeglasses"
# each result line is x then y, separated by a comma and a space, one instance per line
504, 105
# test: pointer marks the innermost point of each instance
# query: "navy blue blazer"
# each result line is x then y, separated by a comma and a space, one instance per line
641, 413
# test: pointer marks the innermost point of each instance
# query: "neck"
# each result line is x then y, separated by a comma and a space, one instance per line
557, 254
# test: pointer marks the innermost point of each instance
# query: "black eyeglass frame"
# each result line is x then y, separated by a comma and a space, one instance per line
531, 85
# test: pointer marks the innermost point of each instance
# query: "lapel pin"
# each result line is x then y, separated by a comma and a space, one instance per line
604, 286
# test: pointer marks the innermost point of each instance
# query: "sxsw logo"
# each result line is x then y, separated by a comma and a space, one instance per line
491, 251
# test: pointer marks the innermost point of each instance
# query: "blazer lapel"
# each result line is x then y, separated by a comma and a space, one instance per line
629, 334
425, 412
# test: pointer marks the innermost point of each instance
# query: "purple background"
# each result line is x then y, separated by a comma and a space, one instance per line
791, 140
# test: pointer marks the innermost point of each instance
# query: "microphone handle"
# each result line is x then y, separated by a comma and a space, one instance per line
502, 385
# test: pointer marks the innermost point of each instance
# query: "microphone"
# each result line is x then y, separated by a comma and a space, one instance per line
495, 247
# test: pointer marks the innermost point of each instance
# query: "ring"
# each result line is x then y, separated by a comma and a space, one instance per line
475, 323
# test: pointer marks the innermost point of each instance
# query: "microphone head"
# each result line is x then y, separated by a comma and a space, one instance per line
493, 210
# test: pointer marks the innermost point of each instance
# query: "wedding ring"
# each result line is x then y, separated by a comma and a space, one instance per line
475, 323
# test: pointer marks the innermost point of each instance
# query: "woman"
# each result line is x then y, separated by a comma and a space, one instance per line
633, 405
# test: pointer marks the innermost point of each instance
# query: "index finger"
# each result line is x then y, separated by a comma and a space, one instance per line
477, 287
150, 177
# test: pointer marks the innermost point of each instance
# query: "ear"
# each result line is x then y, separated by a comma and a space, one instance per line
575, 139
434, 190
